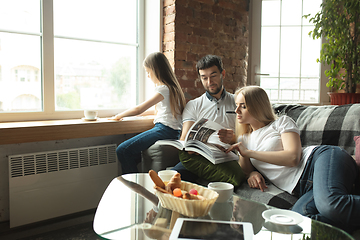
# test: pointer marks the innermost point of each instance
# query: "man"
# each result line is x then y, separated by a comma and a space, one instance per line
215, 104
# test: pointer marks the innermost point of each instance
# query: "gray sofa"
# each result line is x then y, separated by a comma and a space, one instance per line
319, 125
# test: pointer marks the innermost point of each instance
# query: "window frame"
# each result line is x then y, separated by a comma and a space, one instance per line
255, 50
149, 16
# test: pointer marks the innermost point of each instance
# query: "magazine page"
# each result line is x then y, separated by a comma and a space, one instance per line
175, 143
206, 131
211, 152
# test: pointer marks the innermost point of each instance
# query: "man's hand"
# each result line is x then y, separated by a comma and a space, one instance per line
256, 180
226, 135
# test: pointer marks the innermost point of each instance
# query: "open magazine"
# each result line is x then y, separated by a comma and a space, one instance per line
203, 139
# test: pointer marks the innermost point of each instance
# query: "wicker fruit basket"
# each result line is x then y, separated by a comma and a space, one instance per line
189, 208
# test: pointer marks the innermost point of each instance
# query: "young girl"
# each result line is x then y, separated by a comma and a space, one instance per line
321, 176
169, 101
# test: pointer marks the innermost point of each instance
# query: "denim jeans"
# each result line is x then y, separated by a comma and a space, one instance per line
325, 188
129, 152
186, 175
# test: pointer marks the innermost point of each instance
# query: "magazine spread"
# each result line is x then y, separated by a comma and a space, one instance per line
203, 139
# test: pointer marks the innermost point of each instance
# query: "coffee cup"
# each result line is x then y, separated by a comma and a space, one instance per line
166, 175
225, 190
90, 114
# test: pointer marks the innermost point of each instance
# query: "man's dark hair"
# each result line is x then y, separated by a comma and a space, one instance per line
208, 61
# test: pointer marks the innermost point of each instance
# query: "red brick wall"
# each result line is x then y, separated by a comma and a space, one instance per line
195, 28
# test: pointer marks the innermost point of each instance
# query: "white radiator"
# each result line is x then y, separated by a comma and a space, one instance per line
45, 185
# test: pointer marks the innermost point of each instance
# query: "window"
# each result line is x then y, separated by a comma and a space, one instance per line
59, 57
288, 69
20, 55
95, 56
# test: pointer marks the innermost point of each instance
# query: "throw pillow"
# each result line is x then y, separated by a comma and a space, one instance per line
230, 172
357, 150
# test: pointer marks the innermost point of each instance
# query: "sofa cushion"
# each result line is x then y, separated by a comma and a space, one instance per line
159, 157
325, 125
230, 172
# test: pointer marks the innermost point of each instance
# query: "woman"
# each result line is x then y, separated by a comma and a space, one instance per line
321, 176
169, 101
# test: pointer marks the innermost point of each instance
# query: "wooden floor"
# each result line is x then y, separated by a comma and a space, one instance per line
75, 227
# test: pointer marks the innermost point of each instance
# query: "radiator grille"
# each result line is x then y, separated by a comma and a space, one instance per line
54, 161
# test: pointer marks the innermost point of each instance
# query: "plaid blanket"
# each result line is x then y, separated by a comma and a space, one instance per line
272, 196
325, 125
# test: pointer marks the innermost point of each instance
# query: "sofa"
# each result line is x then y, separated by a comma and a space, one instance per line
319, 125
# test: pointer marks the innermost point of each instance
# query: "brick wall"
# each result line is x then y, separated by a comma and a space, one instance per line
195, 28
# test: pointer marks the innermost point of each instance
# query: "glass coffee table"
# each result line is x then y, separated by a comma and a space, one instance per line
129, 209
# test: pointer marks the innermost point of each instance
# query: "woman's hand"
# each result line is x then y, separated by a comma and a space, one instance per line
240, 148
256, 180
226, 135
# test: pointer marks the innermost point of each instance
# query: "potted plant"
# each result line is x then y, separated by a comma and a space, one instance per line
339, 22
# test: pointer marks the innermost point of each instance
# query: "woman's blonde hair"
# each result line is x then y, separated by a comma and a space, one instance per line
258, 105
160, 66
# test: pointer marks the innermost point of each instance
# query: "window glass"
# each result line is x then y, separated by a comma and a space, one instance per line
270, 12
20, 56
290, 51
108, 20
310, 52
270, 50
94, 75
95, 54
20, 15
291, 12
288, 54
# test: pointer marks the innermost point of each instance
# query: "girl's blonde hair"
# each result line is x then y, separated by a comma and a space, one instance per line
160, 66
258, 105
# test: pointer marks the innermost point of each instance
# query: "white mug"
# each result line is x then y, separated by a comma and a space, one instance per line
90, 114
166, 175
225, 190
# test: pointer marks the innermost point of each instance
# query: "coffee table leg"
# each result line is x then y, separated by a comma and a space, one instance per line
174, 217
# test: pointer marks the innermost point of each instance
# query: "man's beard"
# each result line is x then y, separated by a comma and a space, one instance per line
217, 90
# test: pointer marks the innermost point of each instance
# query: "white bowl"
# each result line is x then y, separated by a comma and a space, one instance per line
225, 190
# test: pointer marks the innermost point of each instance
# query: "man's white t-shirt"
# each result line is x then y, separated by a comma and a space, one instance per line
268, 138
210, 108
163, 108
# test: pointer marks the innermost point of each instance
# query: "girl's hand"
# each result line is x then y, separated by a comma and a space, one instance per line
226, 135
256, 180
116, 118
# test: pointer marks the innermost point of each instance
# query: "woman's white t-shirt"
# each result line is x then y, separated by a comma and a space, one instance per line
268, 138
163, 108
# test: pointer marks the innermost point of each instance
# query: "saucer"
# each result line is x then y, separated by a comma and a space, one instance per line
89, 119
282, 217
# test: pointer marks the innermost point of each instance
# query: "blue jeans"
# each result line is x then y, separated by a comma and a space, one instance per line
129, 152
325, 188
186, 175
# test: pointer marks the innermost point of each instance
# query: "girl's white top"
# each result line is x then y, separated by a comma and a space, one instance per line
268, 138
163, 108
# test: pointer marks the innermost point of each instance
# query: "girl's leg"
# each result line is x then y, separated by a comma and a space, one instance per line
335, 172
129, 152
